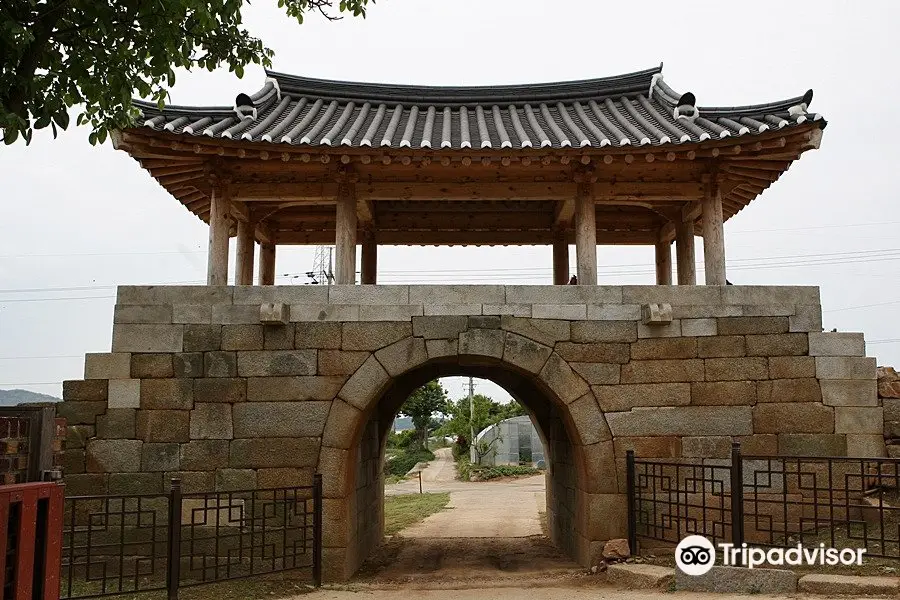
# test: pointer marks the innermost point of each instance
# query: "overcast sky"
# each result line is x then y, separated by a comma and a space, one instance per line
78, 220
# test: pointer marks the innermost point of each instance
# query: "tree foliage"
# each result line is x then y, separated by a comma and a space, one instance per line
422, 405
487, 412
56, 54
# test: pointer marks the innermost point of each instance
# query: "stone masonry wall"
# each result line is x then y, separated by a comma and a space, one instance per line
196, 386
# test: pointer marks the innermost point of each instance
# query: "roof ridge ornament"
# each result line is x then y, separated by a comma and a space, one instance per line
657, 77
243, 107
276, 85
801, 108
687, 107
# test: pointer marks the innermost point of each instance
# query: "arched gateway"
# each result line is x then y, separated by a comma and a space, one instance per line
259, 386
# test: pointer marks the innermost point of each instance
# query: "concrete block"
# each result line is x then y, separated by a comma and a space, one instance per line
458, 294
589, 420
402, 356
656, 314
812, 444
341, 426
570, 312
174, 294
274, 313
792, 367
513, 310
167, 394
220, 364
806, 318
849, 392
848, 585
722, 346
160, 457
664, 348
372, 336
543, 331
789, 390
293, 389
785, 344
762, 444
662, 371
140, 313
365, 385
649, 447
451, 309
441, 348
617, 398
738, 580
80, 413
220, 389
768, 310
202, 338
152, 366
672, 329
113, 456
199, 314
204, 455
562, 380
706, 446
390, 312
235, 314
859, 419
128, 484
699, 327
793, 417
770, 294
836, 344
278, 337
681, 420
433, 327
339, 362
88, 390
600, 352
317, 335
163, 425
597, 373
212, 421
482, 343
324, 312
866, 444
377, 295
845, 367
723, 393
672, 294
124, 393
525, 353
268, 363
258, 453
232, 480
107, 365
78, 435
563, 294
753, 325
280, 419
640, 576
116, 424
148, 338
705, 311
614, 312
286, 294
282, 477
242, 337
736, 369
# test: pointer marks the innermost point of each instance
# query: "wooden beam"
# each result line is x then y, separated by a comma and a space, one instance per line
246, 246
663, 263
713, 234
267, 264
369, 275
560, 259
586, 235
564, 212
365, 210
648, 190
313, 193
345, 235
684, 249
219, 225
465, 238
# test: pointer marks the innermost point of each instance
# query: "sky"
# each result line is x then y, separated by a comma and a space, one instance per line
78, 220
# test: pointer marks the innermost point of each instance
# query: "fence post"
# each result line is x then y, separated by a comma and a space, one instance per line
420, 481
737, 495
173, 554
317, 530
632, 517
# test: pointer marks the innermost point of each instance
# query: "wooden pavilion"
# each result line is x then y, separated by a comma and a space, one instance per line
617, 160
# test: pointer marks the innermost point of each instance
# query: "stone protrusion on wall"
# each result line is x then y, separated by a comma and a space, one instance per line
222, 388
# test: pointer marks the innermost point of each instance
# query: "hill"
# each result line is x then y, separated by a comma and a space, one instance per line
15, 397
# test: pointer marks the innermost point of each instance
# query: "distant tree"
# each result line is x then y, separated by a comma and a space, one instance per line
55, 54
422, 405
487, 413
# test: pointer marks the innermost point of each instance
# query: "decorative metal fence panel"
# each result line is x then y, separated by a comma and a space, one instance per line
136, 543
780, 501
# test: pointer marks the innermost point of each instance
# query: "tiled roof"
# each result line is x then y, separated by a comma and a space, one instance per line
635, 109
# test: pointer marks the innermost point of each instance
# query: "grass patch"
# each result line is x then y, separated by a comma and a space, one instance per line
276, 585
392, 479
466, 471
404, 460
402, 511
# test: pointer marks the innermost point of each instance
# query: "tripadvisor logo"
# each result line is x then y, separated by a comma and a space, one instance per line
696, 555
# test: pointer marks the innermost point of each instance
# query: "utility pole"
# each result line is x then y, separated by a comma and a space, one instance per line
472, 455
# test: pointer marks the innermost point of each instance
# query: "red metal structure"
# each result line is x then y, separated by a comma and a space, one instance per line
31, 516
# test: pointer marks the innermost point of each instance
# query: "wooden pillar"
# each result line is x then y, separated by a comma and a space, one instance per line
684, 249
267, 264
219, 224
369, 275
663, 263
345, 235
586, 235
560, 259
246, 246
713, 235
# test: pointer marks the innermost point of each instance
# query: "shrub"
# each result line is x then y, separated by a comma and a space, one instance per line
403, 461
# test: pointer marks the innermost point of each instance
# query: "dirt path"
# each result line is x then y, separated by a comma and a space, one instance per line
520, 592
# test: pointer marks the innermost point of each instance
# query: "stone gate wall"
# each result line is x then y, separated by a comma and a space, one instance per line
197, 386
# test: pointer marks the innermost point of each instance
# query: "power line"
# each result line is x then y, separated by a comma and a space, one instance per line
33, 383
41, 357
863, 306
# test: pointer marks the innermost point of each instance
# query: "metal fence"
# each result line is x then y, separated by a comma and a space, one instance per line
777, 502
115, 544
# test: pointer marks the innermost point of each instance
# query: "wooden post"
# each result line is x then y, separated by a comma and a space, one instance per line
684, 249
369, 275
713, 234
267, 264
219, 224
560, 259
345, 235
246, 246
663, 263
586, 235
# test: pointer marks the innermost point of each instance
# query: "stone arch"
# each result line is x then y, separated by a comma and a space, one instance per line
585, 499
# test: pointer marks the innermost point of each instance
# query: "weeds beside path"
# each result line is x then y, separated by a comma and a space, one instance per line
402, 511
